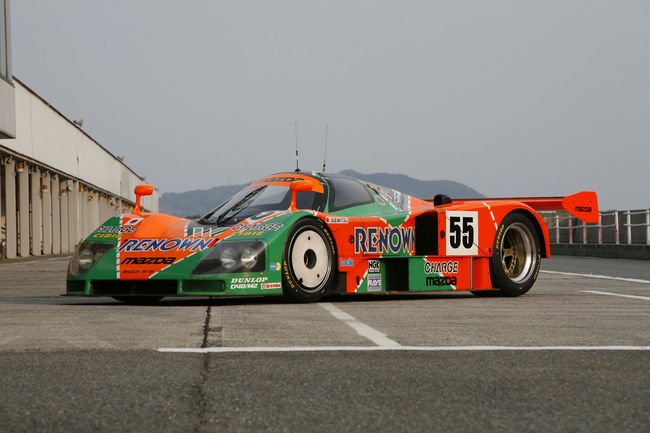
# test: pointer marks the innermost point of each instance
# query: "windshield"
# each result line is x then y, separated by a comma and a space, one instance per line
251, 202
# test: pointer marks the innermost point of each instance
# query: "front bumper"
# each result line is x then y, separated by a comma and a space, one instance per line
189, 287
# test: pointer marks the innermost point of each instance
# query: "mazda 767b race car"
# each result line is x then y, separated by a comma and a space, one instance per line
306, 235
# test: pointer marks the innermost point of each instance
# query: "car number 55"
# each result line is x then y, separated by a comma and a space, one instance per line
462, 233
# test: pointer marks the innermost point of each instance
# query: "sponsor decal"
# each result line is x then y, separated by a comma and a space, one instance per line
281, 179
137, 271
257, 227
382, 240
374, 266
499, 238
134, 221
116, 229
271, 286
374, 282
275, 266
106, 236
583, 208
450, 267
247, 233
337, 220
247, 282
347, 263
148, 261
441, 281
395, 198
174, 244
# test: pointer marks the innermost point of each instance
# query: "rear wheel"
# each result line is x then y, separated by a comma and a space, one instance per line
138, 300
516, 257
308, 261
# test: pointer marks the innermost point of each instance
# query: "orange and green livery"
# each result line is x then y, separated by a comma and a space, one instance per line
305, 235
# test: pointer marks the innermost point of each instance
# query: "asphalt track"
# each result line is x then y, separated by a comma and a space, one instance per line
572, 355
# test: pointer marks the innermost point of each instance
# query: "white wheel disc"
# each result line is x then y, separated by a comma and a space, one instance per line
310, 260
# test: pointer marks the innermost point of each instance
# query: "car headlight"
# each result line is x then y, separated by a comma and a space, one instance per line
249, 258
86, 256
233, 257
228, 259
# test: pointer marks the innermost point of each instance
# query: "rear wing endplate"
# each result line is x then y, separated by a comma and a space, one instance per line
582, 205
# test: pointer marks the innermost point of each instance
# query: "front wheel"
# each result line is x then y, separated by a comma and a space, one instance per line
516, 258
308, 261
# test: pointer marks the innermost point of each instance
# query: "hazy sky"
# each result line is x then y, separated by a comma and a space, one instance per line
510, 97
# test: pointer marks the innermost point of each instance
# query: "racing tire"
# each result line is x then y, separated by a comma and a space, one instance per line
138, 300
516, 257
308, 261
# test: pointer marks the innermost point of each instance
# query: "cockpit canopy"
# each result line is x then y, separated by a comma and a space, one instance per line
329, 193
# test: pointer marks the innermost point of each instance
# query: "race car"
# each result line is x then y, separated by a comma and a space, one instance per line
305, 235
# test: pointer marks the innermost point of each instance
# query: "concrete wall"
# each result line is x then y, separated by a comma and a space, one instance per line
7, 110
56, 182
45, 213
46, 136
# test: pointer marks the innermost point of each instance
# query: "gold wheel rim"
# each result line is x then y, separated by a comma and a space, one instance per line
518, 254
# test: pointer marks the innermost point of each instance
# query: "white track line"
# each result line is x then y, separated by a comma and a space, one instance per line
362, 329
402, 348
602, 277
596, 292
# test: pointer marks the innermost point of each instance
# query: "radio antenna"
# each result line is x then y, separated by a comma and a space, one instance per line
325, 154
295, 126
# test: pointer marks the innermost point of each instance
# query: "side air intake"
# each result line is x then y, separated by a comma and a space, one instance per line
426, 234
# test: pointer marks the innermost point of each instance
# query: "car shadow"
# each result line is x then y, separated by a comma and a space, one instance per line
263, 300
177, 301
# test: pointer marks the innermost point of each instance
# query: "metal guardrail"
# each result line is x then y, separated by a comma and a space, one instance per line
630, 227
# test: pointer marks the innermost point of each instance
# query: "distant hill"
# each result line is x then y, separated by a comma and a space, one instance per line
196, 202
201, 201
416, 187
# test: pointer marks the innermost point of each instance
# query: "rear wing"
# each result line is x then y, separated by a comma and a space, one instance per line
582, 205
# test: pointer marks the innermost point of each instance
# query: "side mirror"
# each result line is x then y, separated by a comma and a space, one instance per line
141, 190
296, 187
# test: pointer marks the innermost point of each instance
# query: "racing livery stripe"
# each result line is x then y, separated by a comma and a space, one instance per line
494, 220
117, 250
